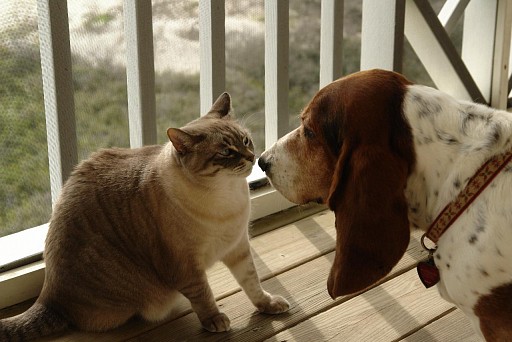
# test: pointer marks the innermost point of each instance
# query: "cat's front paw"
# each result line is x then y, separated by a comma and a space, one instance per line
218, 323
274, 305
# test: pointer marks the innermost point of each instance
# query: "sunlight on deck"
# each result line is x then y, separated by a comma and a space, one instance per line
294, 261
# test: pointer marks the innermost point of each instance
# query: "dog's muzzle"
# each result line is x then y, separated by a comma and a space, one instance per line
264, 164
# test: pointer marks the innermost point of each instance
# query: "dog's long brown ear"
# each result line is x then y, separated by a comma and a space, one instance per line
367, 190
367, 196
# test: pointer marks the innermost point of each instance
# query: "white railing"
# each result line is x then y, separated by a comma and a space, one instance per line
478, 74
59, 103
481, 73
140, 73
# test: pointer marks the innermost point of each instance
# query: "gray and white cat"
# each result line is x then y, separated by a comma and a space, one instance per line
135, 227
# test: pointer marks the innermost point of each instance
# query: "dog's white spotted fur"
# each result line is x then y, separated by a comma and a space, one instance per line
452, 140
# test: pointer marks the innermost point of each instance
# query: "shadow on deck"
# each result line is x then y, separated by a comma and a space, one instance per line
293, 260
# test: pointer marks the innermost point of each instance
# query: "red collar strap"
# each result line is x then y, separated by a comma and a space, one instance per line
475, 186
427, 270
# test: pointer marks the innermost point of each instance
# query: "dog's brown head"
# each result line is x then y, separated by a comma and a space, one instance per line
353, 151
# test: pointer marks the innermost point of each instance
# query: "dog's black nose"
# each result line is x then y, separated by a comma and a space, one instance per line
263, 164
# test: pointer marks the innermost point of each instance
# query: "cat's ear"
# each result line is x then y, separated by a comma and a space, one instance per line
183, 141
221, 107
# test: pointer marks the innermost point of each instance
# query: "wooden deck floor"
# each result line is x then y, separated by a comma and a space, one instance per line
293, 260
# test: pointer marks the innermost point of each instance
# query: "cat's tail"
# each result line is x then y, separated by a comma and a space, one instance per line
38, 321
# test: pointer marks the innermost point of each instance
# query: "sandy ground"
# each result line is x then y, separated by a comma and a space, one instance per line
175, 30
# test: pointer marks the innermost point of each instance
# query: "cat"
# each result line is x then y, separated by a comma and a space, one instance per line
134, 227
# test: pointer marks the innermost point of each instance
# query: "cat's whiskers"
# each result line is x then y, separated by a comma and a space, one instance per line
251, 118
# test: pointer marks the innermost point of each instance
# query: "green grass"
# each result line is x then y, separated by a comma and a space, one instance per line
101, 104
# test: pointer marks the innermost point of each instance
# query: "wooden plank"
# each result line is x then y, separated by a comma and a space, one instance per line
452, 327
285, 217
140, 72
451, 12
293, 259
382, 34
303, 285
26, 244
22, 283
274, 253
331, 41
280, 250
16, 309
212, 53
385, 313
276, 70
266, 201
59, 103
437, 53
501, 64
307, 296
478, 42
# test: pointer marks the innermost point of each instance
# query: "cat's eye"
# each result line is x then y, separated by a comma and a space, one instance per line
226, 152
246, 141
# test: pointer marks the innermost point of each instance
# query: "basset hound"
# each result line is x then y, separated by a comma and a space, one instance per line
387, 155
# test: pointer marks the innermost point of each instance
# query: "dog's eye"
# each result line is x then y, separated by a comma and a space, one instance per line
308, 133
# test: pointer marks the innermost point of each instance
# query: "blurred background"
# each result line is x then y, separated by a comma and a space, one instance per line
99, 77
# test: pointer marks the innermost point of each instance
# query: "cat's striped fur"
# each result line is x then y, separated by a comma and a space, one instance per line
135, 227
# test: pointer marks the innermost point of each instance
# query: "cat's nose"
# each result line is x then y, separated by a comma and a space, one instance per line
251, 157
264, 164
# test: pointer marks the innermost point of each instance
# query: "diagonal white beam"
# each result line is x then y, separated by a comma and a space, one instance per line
437, 53
451, 12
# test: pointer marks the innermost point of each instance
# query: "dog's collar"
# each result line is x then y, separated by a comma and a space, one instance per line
427, 270
482, 178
